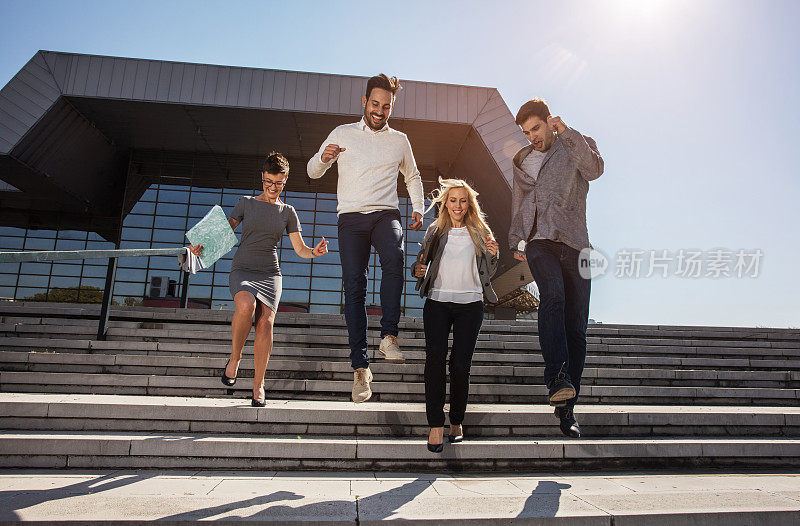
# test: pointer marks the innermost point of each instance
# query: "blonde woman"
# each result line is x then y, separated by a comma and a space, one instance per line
255, 279
453, 271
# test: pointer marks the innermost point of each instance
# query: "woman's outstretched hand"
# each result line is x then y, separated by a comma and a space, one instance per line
321, 248
196, 249
419, 270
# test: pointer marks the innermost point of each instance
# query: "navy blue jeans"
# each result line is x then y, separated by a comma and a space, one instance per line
358, 233
563, 309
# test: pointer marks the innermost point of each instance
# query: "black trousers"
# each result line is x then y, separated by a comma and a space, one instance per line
465, 319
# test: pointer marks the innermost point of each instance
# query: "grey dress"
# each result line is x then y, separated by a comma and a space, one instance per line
255, 265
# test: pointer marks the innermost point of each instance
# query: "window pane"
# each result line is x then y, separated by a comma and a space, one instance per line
136, 234
132, 244
66, 269
10, 268
143, 207
28, 293
296, 282
129, 289
173, 237
35, 268
11, 231
324, 309
93, 282
70, 244
221, 293
49, 234
95, 271
201, 278
326, 284
171, 222
206, 199
33, 281
334, 271
132, 274
319, 297
171, 209
301, 203
139, 220
63, 281
199, 291
173, 196
294, 296
12, 243
39, 244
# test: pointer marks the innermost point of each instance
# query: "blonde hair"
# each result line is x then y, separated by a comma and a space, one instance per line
474, 219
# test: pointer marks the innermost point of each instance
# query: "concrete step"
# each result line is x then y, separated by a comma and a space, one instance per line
627, 347
387, 391
80, 449
320, 369
412, 328
35, 309
534, 358
54, 412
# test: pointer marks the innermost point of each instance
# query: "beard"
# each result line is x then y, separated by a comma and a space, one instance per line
371, 123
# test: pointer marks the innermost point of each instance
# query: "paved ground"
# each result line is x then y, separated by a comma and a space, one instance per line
349, 498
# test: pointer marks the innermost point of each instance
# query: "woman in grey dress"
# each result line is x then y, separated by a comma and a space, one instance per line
255, 278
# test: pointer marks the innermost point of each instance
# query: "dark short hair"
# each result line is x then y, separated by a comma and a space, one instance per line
533, 108
275, 164
392, 85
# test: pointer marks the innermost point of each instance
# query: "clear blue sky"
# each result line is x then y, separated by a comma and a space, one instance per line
695, 106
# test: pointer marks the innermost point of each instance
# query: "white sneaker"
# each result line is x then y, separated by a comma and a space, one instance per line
361, 379
390, 350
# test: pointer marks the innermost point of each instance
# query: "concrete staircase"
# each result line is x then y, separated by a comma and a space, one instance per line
150, 396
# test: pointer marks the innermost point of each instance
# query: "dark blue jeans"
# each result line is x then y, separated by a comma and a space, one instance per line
563, 309
358, 233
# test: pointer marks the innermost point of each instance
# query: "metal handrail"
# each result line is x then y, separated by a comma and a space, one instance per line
111, 255
58, 255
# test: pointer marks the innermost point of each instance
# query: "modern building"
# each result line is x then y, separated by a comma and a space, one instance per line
104, 152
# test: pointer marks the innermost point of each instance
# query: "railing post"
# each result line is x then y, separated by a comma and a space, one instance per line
185, 290
108, 294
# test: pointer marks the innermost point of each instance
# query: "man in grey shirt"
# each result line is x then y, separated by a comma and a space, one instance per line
548, 230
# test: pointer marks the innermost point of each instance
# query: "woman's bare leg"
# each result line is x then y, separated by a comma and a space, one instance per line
262, 347
245, 304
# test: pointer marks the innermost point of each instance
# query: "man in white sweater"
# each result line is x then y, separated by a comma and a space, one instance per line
369, 155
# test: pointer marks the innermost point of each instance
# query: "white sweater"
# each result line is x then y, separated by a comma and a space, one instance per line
368, 168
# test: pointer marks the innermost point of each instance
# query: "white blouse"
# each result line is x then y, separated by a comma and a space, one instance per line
458, 280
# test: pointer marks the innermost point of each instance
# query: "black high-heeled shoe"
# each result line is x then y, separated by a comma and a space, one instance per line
455, 439
259, 403
226, 380
436, 448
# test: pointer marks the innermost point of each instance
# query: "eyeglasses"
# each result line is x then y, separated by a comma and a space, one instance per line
276, 184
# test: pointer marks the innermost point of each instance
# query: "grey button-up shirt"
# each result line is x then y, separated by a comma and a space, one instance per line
554, 203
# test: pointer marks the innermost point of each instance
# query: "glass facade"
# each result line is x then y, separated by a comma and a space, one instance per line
160, 218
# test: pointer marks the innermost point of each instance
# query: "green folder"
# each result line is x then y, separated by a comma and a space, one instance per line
215, 234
